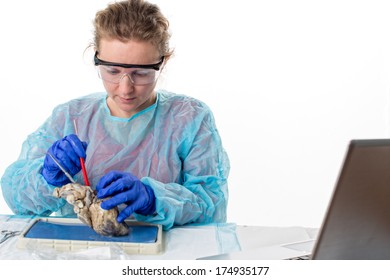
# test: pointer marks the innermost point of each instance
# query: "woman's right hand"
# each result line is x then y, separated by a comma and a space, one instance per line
67, 152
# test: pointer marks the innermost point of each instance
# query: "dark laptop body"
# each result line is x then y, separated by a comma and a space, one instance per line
357, 222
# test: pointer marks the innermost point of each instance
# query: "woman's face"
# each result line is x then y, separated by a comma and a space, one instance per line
124, 97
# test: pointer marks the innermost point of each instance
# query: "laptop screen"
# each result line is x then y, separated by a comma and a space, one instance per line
357, 222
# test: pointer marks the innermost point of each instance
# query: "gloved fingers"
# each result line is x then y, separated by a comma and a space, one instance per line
66, 156
85, 145
63, 151
49, 163
125, 197
73, 147
55, 178
108, 179
112, 202
129, 210
60, 155
116, 188
78, 146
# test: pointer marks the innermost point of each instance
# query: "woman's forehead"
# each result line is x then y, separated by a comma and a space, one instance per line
129, 52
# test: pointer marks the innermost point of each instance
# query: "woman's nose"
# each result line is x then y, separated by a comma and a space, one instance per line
126, 83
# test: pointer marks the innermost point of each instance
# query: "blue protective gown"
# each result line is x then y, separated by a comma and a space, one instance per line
173, 146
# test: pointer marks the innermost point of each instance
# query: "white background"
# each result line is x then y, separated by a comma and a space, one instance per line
289, 82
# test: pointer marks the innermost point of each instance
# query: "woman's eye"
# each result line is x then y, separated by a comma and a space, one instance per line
112, 71
141, 73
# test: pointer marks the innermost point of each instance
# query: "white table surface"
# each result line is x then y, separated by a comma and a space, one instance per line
181, 243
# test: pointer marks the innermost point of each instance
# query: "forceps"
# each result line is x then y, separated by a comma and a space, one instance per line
8, 234
62, 168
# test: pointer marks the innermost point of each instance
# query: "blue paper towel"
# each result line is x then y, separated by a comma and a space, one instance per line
65, 231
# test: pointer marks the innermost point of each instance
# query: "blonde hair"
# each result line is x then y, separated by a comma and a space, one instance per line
133, 20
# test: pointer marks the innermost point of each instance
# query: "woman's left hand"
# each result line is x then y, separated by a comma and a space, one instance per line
123, 187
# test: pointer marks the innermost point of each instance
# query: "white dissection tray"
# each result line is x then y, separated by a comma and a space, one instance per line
70, 234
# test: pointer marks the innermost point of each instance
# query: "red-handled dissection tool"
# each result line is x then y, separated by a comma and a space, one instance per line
84, 170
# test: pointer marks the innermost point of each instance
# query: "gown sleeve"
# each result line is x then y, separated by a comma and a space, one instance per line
24, 188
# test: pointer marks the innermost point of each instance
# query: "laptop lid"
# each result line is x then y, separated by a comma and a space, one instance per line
357, 221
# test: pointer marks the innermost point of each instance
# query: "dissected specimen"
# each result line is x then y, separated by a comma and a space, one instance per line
88, 210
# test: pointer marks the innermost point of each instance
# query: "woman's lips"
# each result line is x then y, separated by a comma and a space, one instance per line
127, 100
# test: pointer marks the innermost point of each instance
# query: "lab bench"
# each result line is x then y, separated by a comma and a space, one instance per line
179, 243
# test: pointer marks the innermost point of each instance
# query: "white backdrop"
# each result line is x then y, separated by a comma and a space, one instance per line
289, 82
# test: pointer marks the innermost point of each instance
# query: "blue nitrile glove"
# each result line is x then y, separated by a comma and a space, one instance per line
67, 152
126, 188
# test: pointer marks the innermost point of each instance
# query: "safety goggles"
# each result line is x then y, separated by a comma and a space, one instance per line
139, 74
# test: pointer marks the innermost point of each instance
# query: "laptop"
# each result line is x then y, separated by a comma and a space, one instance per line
357, 221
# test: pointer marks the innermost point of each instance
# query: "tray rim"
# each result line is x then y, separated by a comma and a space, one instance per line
78, 245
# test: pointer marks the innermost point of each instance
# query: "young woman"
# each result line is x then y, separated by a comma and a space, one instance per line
154, 154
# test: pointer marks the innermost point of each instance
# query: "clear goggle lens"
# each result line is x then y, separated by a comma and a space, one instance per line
138, 76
